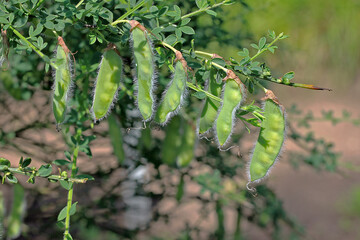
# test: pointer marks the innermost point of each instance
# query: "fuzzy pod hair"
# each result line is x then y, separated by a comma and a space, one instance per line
107, 85
174, 96
145, 74
270, 144
63, 83
231, 118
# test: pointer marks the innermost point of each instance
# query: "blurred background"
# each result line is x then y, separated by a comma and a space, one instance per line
313, 193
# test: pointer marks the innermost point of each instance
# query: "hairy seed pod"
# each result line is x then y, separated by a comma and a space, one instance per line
107, 83
63, 82
232, 96
174, 95
171, 142
145, 69
187, 148
270, 140
210, 109
116, 138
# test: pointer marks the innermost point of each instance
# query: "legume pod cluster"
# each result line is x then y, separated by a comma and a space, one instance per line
181, 134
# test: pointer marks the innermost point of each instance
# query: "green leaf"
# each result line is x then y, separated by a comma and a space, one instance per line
187, 30
68, 236
5, 162
171, 39
85, 176
44, 170
272, 49
61, 162
67, 155
289, 75
272, 34
262, 43
211, 12
26, 162
11, 178
49, 25
201, 4
254, 46
62, 214
178, 33
244, 52
65, 184
20, 21
180, 189
185, 21
59, 26
3, 20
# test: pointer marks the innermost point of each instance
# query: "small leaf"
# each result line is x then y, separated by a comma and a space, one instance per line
5, 162
201, 4
262, 42
61, 162
12, 179
185, 21
171, 39
211, 12
254, 46
45, 170
272, 34
49, 25
67, 155
62, 214
65, 184
187, 30
26, 162
85, 176
289, 75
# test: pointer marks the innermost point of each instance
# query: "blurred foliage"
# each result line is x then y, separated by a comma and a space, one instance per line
324, 36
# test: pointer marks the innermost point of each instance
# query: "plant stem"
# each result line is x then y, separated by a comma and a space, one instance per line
264, 49
169, 46
204, 9
43, 56
128, 13
195, 88
36, 6
212, 63
199, 53
70, 193
299, 85
79, 3
51, 177
260, 86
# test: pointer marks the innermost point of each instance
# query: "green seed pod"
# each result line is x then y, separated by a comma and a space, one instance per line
145, 75
270, 140
232, 96
171, 142
187, 148
63, 82
116, 138
107, 84
174, 95
210, 109
4, 47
